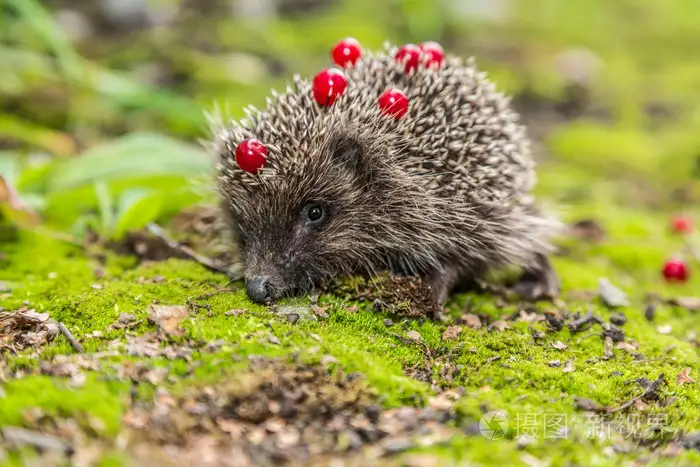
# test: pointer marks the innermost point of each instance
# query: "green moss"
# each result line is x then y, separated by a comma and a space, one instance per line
97, 405
629, 171
505, 370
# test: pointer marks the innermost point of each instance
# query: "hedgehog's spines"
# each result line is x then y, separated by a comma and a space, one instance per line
457, 167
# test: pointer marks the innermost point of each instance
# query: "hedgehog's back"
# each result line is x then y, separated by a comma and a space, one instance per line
459, 138
461, 135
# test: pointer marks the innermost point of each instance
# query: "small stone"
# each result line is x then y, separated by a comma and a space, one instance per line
665, 329
554, 363
388, 322
691, 441
618, 319
292, 317
649, 312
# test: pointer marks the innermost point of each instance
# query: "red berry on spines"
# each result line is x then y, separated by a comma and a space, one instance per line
394, 103
251, 155
410, 55
346, 52
676, 270
432, 54
328, 85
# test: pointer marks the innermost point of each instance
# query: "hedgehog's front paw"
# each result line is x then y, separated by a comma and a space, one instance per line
539, 281
441, 284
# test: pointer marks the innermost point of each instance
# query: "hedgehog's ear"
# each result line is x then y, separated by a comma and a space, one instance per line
348, 153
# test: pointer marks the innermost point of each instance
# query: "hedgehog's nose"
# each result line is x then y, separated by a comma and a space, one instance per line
259, 289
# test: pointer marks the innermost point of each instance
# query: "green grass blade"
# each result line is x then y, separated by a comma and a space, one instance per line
136, 155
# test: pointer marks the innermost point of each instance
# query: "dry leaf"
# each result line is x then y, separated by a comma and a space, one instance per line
629, 348
665, 329
611, 295
559, 345
471, 320
320, 311
640, 405
168, 318
413, 335
25, 328
533, 317
684, 376
13, 208
451, 333
689, 303
568, 366
499, 325
236, 311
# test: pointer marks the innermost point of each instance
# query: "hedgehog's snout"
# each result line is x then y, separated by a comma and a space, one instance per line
259, 289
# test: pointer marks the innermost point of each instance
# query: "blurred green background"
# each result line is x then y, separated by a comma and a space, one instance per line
102, 103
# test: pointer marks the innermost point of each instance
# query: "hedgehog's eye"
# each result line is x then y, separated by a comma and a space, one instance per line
315, 212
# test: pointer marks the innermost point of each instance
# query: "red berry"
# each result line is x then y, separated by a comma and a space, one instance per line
346, 52
251, 155
682, 225
676, 271
408, 54
433, 54
328, 85
394, 103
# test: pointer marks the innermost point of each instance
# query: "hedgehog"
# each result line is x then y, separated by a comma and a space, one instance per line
404, 160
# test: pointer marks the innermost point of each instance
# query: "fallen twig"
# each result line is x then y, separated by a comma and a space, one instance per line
428, 352
73, 342
194, 306
653, 388
21, 436
581, 323
589, 405
208, 263
608, 347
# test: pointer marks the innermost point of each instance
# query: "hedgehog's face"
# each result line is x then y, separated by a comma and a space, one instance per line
301, 227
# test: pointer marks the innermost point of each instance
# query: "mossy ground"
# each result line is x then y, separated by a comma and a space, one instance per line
56, 278
629, 169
